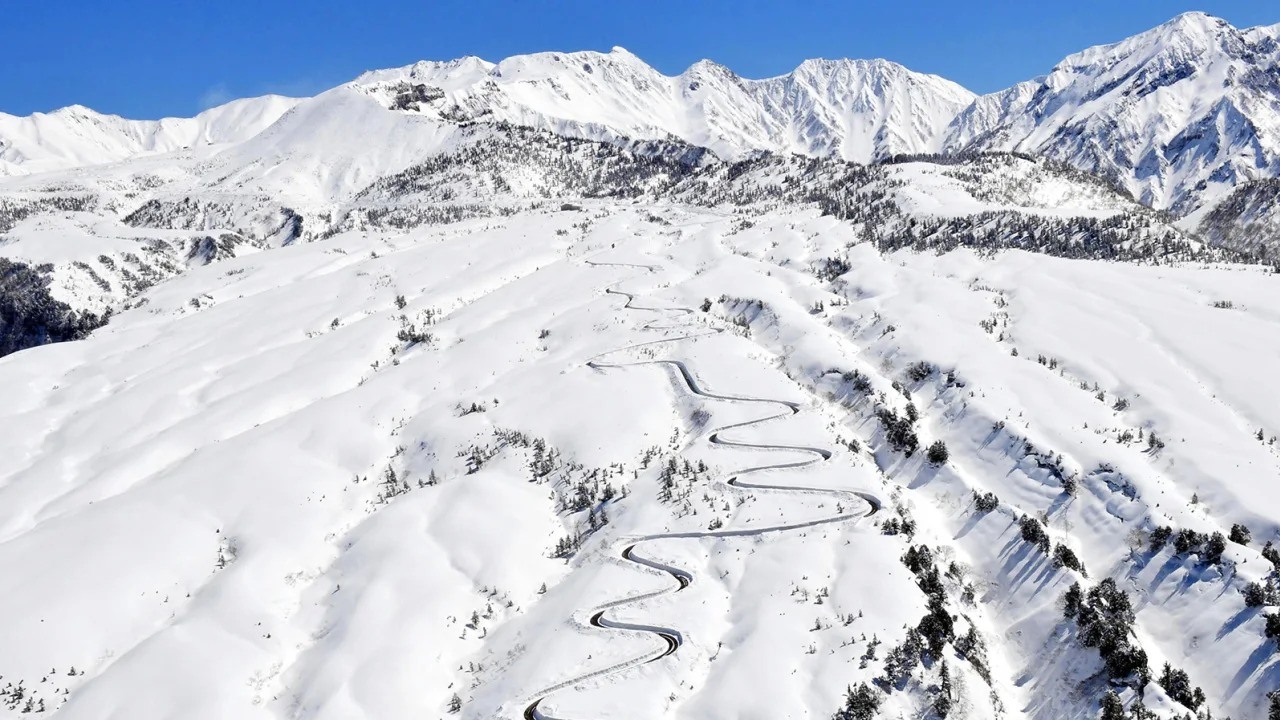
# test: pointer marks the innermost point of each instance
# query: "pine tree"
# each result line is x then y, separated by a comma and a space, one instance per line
1240, 534
1271, 626
937, 453
1216, 545
860, 703
1255, 595
1176, 682
942, 703
1271, 554
985, 502
1153, 442
1112, 707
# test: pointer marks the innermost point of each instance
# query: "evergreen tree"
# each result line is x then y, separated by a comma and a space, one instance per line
942, 703
937, 453
1271, 628
1072, 601
1240, 534
1112, 707
1271, 554
1033, 532
861, 703
1214, 547
1255, 595
1176, 682
1064, 556
898, 430
1160, 536
986, 502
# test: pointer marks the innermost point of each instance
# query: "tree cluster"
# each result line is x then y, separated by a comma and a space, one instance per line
1104, 616
29, 314
899, 431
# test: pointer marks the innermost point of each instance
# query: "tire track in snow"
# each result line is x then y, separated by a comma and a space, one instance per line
672, 638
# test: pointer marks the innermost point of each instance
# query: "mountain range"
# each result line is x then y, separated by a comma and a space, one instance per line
1179, 116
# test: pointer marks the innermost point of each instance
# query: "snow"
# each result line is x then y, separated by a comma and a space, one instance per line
933, 190
177, 433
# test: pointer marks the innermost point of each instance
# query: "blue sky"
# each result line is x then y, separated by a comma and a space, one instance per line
146, 59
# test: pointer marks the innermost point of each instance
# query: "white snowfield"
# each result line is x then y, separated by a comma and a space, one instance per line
560, 389
192, 512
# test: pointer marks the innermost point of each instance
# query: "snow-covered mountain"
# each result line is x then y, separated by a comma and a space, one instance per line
1179, 114
559, 388
858, 110
77, 136
853, 109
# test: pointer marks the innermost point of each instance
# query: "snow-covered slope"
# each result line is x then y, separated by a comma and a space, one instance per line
101, 237
1178, 114
400, 472
1247, 219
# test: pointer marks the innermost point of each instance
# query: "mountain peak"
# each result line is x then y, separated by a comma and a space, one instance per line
869, 66
1195, 21
1190, 30
1186, 35
876, 70
75, 110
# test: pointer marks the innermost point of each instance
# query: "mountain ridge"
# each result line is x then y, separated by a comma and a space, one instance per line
1179, 114
78, 136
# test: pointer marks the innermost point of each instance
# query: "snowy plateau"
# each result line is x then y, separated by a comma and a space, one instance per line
559, 388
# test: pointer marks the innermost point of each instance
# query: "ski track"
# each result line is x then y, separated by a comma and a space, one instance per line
671, 637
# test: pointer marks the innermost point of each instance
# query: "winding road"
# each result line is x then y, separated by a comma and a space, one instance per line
671, 638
